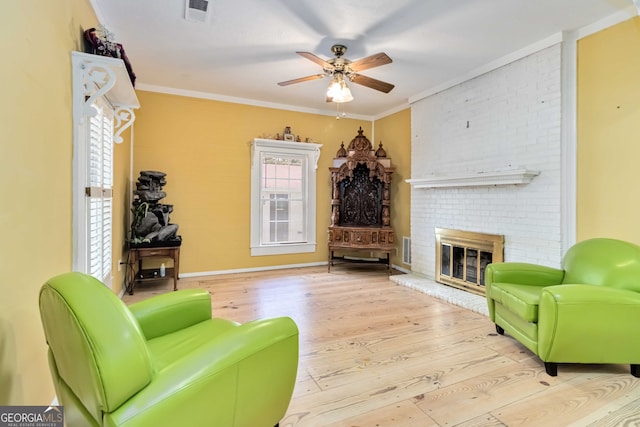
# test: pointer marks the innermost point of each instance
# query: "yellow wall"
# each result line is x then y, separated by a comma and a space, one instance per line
608, 199
394, 131
121, 206
204, 146
35, 180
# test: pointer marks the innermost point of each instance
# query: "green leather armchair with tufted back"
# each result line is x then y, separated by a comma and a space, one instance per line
163, 361
588, 311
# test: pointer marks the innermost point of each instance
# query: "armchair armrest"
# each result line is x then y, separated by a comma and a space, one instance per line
522, 273
170, 312
244, 376
588, 323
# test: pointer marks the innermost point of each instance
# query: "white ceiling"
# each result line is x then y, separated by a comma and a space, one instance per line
248, 46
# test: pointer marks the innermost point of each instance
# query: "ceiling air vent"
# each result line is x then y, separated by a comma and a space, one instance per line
197, 10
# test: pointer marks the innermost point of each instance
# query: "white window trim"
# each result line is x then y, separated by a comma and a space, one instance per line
312, 153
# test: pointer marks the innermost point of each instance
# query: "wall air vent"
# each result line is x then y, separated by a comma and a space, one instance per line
197, 10
406, 250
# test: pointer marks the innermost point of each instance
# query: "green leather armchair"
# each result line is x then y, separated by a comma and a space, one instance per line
586, 312
163, 361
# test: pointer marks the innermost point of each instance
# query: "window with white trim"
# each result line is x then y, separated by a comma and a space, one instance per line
103, 103
283, 197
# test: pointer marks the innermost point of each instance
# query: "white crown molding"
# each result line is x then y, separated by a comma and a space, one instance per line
494, 65
237, 100
600, 25
391, 111
608, 21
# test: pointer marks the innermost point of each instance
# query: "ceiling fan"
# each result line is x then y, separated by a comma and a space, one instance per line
342, 69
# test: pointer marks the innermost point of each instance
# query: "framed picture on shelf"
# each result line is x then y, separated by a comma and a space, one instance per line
289, 137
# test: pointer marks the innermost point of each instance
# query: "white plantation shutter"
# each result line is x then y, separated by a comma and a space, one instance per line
98, 193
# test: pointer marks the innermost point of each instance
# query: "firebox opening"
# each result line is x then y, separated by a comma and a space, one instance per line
462, 257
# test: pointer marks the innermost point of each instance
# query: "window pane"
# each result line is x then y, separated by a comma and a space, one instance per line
282, 213
296, 222
281, 210
282, 184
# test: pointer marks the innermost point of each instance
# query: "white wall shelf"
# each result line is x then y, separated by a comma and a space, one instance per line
95, 76
478, 179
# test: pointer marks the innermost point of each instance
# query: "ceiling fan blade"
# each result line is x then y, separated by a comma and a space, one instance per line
371, 83
301, 79
313, 58
370, 61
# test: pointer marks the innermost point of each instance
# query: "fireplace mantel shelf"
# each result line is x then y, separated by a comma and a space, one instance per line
479, 179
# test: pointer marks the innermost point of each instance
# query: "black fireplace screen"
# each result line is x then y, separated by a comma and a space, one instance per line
465, 264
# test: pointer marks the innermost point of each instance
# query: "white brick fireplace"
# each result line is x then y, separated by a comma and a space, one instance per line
502, 123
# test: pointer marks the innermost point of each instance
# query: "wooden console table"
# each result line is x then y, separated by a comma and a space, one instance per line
386, 260
136, 256
361, 239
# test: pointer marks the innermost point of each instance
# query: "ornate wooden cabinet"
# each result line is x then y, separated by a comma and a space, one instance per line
360, 203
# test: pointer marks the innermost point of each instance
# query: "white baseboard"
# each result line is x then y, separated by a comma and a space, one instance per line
269, 268
251, 270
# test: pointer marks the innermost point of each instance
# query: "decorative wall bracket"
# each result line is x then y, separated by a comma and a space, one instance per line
97, 76
97, 80
480, 179
124, 118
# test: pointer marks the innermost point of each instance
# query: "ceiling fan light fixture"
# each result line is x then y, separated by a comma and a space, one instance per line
338, 90
334, 88
344, 95
339, 67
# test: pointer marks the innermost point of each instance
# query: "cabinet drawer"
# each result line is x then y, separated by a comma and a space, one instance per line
155, 252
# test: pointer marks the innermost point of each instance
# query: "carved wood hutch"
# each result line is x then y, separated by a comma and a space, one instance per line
360, 202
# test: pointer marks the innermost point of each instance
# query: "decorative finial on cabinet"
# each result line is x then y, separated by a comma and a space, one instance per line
380, 151
341, 151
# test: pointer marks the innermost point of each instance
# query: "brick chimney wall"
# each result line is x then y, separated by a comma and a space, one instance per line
509, 118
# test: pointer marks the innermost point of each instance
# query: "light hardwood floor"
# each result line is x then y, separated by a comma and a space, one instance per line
373, 353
